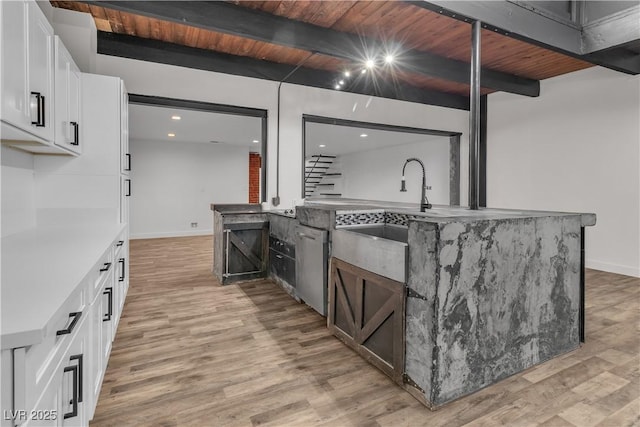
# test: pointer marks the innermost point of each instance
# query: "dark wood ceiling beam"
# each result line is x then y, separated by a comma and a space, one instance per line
257, 25
168, 53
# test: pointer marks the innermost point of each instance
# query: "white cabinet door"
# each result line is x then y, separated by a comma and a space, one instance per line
125, 155
98, 362
14, 62
74, 387
67, 92
125, 195
64, 400
40, 72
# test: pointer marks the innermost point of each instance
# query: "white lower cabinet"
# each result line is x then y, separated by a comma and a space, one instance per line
57, 382
63, 401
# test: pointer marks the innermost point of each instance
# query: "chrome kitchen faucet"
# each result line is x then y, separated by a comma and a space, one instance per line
424, 201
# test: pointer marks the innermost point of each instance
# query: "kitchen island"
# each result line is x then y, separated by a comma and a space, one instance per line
489, 293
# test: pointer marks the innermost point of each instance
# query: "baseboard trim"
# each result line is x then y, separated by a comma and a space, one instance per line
613, 268
165, 234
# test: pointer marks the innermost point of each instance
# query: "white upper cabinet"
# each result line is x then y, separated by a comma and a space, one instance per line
40, 72
27, 69
125, 156
32, 77
14, 63
67, 97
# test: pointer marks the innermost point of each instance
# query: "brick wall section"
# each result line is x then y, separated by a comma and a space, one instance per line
254, 177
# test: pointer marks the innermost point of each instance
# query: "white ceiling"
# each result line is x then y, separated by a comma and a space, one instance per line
340, 140
152, 123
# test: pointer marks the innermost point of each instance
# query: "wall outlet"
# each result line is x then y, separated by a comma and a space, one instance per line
428, 187
194, 225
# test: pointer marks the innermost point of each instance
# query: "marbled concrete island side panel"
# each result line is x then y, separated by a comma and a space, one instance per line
507, 298
420, 308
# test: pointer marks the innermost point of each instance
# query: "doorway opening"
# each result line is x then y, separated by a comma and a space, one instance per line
188, 155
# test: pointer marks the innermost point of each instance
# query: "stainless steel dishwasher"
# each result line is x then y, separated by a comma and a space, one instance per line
311, 267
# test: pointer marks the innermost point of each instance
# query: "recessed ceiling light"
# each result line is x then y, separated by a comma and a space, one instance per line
389, 59
321, 145
337, 87
369, 63
255, 141
171, 135
341, 82
176, 117
363, 135
347, 73
364, 70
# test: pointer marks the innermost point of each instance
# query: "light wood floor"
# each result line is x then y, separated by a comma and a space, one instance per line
191, 352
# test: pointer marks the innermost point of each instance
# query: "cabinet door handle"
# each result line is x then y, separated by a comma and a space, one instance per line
107, 266
109, 292
128, 181
39, 103
128, 168
76, 133
279, 256
120, 243
121, 278
74, 399
306, 236
75, 317
79, 358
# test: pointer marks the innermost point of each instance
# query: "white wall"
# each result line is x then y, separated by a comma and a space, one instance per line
148, 78
17, 178
173, 185
376, 174
575, 148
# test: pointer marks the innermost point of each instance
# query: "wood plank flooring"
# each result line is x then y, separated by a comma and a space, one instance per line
190, 352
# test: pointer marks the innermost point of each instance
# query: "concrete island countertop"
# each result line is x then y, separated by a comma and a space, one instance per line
460, 213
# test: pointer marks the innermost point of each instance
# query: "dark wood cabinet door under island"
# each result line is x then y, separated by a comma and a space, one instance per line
366, 312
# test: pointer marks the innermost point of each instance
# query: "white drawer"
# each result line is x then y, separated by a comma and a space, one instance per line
66, 391
119, 244
34, 365
100, 272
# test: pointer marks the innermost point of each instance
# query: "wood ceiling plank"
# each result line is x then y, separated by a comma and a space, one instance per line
143, 26
98, 12
114, 20
155, 29
166, 33
179, 33
103, 24
303, 10
330, 12
129, 24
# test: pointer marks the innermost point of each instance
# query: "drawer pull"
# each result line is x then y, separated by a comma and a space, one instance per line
76, 316
74, 400
122, 275
120, 243
107, 266
128, 168
279, 256
109, 292
79, 358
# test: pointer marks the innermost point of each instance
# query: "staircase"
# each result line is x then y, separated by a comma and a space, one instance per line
320, 176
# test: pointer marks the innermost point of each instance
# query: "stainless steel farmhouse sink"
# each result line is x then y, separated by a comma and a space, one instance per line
379, 248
